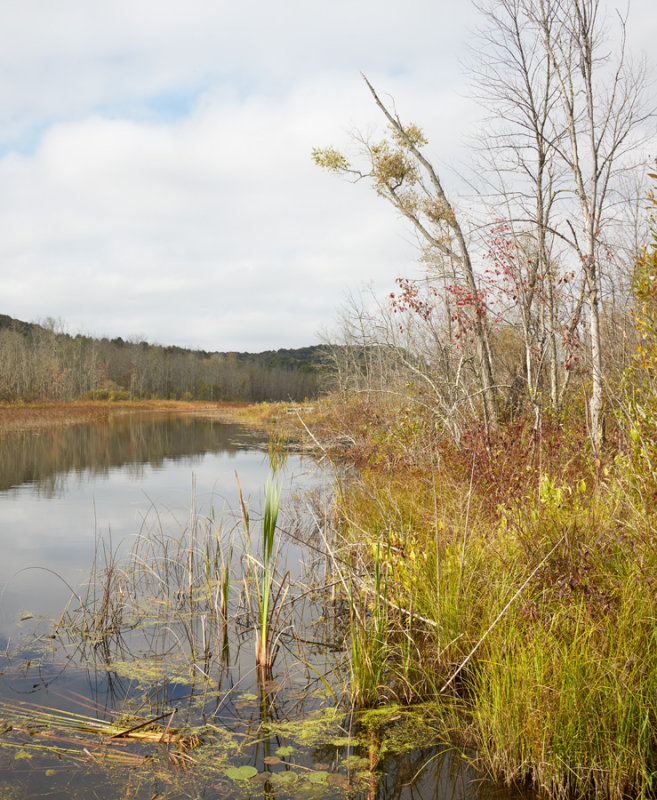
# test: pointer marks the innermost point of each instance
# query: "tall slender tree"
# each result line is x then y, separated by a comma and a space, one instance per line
402, 174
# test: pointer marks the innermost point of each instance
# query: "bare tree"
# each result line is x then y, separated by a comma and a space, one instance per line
403, 175
568, 113
515, 79
569, 117
602, 101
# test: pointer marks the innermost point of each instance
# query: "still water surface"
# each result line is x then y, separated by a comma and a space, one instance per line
128, 492
62, 489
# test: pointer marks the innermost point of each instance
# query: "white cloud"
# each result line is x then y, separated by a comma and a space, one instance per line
157, 177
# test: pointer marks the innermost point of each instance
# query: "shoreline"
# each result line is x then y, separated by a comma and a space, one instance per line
36, 416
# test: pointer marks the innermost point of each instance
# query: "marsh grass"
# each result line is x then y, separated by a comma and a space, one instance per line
368, 632
171, 603
164, 597
513, 583
566, 691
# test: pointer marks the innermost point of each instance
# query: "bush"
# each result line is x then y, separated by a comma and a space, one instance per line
117, 395
98, 394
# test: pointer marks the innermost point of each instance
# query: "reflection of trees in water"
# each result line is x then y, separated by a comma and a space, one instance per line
47, 458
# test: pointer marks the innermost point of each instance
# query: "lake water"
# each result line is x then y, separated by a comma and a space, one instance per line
149, 507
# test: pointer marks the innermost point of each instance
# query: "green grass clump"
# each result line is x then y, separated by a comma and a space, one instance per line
564, 692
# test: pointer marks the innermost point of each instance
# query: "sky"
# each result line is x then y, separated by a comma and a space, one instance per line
156, 179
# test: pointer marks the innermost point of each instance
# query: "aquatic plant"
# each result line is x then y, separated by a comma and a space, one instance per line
267, 605
368, 637
269, 596
169, 592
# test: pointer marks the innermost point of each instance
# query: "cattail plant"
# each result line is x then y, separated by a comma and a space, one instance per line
264, 650
269, 598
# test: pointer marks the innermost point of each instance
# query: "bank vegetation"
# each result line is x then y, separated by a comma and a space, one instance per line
505, 570
499, 542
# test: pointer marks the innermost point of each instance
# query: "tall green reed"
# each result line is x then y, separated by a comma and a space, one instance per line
368, 629
264, 647
270, 595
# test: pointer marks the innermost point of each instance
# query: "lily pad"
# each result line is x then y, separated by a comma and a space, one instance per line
287, 750
248, 696
318, 777
272, 760
261, 777
285, 778
241, 773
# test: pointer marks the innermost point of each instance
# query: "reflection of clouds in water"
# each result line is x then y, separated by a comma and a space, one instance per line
55, 521
11, 511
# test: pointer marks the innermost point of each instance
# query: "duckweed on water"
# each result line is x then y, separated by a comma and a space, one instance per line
215, 755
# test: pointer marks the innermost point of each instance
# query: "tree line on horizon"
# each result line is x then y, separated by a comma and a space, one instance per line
42, 362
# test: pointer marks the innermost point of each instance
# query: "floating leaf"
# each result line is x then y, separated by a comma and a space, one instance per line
241, 773
356, 762
286, 778
272, 760
344, 741
261, 777
318, 777
285, 751
248, 696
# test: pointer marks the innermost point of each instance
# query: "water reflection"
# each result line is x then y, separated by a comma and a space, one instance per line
73, 486
46, 459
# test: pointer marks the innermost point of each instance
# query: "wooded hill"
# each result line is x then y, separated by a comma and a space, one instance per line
40, 361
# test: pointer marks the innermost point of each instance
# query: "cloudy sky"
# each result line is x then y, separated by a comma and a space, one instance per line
155, 170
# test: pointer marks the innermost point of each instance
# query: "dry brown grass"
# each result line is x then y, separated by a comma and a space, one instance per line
32, 416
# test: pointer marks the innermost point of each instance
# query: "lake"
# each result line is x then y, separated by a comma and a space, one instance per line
130, 583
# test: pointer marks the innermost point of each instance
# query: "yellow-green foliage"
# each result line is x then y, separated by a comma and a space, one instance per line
638, 413
645, 285
564, 689
330, 158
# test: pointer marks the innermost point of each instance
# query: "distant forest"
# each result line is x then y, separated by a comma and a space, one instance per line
40, 361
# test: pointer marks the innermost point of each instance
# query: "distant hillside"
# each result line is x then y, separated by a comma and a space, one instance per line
40, 361
302, 358
17, 325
